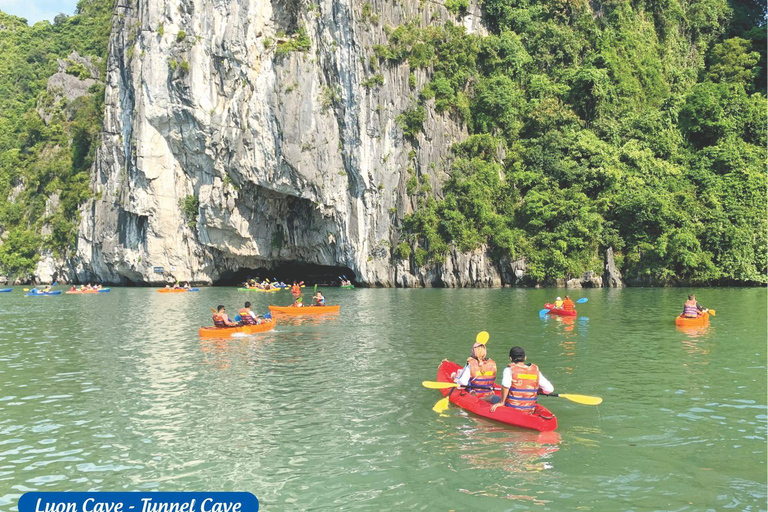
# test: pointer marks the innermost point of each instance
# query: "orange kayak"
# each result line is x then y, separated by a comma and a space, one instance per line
305, 310
172, 290
226, 332
702, 319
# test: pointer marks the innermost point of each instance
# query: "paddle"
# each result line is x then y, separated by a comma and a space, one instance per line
442, 404
579, 399
582, 300
711, 312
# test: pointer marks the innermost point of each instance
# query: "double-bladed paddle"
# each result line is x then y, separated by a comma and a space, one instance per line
579, 399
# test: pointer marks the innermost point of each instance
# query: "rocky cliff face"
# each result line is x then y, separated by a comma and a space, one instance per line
229, 142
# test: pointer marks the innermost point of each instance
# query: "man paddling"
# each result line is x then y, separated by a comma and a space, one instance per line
520, 383
692, 309
479, 374
568, 304
220, 318
248, 317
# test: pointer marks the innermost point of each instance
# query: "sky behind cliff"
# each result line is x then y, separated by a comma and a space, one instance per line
38, 10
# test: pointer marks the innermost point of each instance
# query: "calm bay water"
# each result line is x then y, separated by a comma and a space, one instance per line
116, 391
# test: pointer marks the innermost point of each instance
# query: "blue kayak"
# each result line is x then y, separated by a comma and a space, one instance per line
6, 290
104, 290
42, 294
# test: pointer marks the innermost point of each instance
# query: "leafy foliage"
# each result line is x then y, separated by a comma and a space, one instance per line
45, 165
633, 125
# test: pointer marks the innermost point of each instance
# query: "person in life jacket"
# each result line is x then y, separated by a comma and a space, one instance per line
558, 302
520, 383
295, 288
220, 318
568, 304
319, 299
297, 303
691, 308
248, 317
479, 374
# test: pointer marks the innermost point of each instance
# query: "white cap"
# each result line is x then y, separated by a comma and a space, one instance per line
558, 298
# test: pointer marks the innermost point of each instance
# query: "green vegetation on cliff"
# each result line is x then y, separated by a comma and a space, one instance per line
633, 125
47, 143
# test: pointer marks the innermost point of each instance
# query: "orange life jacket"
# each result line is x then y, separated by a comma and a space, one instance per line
245, 317
218, 320
568, 305
481, 377
690, 310
524, 388
295, 289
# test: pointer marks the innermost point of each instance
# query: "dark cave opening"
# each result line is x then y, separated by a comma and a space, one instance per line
288, 272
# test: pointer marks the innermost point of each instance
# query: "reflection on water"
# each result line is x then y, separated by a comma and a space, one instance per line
327, 412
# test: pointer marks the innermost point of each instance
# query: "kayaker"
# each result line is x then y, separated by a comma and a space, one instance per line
220, 318
520, 383
297, 303
248, 317
319, 299
692, 309
479, 374
558, 303
568, 304
73, 289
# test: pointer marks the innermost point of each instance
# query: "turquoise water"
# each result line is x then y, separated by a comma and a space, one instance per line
116, 391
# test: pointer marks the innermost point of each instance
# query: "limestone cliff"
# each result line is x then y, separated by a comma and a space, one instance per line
248, 133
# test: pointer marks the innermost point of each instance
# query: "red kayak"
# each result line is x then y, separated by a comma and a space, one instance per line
558, 311
541, 419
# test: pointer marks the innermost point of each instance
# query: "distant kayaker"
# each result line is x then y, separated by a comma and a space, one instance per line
520, 383
558, 303
248, 317
479, 374
691, 308
319, 299
295, 289
297, 303
220, 318
568, 304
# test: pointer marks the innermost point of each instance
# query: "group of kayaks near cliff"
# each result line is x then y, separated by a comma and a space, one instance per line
471, 386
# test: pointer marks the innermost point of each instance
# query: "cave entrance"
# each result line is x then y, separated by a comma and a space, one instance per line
288, 272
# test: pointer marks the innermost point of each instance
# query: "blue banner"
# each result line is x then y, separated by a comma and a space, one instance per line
138, 502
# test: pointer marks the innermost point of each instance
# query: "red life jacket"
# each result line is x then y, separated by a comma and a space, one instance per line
524, 388
245, 317
690, 310
481, 377
218, 320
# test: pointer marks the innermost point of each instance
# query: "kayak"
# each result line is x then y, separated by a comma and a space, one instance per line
558, 311
226, 332
78, 292
541, 419
347, 287
42, 294
702, 319
258, 290
305, 310
176, 290
6, 290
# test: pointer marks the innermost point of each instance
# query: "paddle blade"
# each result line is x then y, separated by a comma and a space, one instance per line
441, 405
712, 312
582, 300
543, 312
26, 289
583, 399
438, 385
482, 337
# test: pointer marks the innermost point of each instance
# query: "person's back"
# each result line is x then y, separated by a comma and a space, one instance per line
691, 307
247, 317
568, 304
558, 302
520, 383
